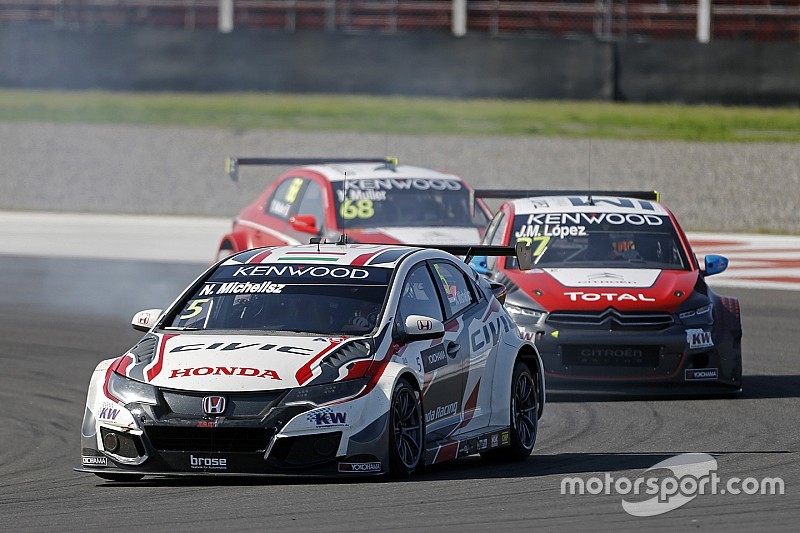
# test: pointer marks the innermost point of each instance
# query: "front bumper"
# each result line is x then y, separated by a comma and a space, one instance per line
647, 361
270, 439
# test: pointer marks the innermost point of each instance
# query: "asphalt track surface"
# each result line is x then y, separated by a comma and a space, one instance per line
59, 317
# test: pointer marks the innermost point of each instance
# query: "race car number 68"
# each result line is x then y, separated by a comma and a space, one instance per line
356, 209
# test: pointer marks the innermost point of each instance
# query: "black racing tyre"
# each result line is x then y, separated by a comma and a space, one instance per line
406, 430
121, 477
524, 408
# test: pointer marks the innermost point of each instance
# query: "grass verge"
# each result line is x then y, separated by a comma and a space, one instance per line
408, 115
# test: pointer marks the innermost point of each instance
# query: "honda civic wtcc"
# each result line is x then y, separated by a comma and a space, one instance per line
616, 298
321, 360
372, 200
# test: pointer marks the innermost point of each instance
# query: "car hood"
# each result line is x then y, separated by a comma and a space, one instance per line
417, 235
227, 363
593, 289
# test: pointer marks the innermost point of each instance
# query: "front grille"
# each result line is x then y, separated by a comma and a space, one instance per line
616, 356
238, 405
218, 439
610, 320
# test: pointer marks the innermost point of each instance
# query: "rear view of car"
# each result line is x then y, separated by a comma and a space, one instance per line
616, 298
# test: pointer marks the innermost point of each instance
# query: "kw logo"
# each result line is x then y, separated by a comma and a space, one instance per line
328, 418
107, 413
697, 338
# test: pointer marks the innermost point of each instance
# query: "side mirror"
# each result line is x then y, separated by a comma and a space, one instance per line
715, 264
145, 320
419, 328
480, 264
304, 223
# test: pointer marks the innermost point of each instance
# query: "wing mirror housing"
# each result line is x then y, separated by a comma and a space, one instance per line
419, 328
305, 224
145, 320
715, 264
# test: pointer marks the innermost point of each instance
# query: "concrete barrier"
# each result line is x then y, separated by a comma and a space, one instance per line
435, 64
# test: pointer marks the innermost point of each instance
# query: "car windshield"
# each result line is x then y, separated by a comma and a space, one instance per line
609, 240
404, 202
312, 298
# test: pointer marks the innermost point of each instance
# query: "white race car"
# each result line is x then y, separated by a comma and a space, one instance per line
319, 359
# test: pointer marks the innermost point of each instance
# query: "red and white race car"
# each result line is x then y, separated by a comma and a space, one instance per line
616, 298
373, 200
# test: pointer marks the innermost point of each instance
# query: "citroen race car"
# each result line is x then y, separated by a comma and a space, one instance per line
372, 200
319, 359
616, 298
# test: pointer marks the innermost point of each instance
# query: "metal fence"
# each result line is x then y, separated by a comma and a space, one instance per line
761, 20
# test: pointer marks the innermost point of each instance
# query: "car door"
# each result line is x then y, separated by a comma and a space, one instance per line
464, 312
443, 385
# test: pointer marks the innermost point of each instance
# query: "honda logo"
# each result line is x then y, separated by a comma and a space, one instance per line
424, 325
214, 405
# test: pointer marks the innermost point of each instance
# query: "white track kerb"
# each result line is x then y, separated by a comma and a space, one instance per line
653, 493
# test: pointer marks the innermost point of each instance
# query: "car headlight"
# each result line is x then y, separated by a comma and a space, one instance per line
322, 394
523, 316
700, 316
130, 391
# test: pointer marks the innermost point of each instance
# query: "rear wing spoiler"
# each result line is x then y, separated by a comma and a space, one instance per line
232, 163
513, 194
522, 251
